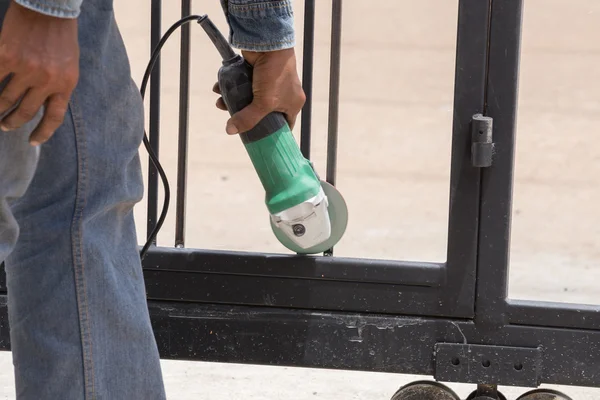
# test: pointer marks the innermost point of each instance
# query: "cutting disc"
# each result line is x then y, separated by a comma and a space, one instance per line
338, 215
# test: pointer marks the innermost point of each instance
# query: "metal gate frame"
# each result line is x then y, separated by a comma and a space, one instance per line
328, 283
453, 320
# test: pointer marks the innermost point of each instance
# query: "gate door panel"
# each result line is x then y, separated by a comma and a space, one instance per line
332, 281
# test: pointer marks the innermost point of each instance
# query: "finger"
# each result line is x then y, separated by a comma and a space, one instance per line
216, 88
292, 114
11, 94
54, 115
221, 104
246, 119
291, 120
26, 111
296, 104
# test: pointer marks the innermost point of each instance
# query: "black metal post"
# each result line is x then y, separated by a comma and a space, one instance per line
154, 131
182, 152
334, 94
497, 180
334, 90
307, 76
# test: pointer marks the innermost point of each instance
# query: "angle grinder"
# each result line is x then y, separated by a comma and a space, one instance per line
307, 215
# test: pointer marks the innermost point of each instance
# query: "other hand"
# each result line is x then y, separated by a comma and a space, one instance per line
42, 54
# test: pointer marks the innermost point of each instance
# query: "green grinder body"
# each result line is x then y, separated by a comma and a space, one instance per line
288, 178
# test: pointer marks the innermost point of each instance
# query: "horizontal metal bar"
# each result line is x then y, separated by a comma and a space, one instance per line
550, 314
355, 341
343, 340
293, 293
294, 266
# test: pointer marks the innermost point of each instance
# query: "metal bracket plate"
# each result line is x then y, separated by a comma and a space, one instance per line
500, 365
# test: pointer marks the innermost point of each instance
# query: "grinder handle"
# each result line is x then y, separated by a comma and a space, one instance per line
235, 82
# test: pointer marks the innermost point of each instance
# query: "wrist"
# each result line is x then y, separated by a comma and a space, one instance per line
252, 56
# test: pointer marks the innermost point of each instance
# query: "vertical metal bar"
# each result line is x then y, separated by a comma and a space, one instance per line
334, 94
182, 151
470, 70
334, 90
307, 75
154, 131
497, 181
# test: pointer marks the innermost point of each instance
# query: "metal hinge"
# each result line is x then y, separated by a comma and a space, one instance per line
482, 144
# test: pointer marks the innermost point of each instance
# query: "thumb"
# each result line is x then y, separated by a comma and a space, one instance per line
245, 119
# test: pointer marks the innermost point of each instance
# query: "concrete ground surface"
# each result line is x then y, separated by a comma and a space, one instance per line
394, 158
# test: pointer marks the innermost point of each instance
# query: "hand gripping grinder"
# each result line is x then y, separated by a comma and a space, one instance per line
308, 216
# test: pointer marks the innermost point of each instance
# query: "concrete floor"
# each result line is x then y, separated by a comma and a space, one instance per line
395, 132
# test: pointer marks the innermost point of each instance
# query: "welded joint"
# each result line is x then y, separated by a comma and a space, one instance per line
482, 143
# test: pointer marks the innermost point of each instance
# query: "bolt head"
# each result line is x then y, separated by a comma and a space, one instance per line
299, 230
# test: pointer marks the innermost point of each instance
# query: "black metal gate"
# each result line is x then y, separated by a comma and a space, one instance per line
450, 320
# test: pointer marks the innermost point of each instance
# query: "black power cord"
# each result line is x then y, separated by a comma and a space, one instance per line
151, 153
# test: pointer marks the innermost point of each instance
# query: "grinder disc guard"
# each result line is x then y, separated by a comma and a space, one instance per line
338, 216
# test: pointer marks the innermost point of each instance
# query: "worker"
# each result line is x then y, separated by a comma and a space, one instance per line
72, 121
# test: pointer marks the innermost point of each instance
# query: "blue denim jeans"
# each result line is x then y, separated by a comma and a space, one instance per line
79, 321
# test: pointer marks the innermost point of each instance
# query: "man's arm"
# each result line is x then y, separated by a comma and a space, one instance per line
264, 31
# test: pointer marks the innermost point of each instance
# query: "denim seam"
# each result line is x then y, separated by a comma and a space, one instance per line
259, 44
55, 11
254, 7
78, 258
